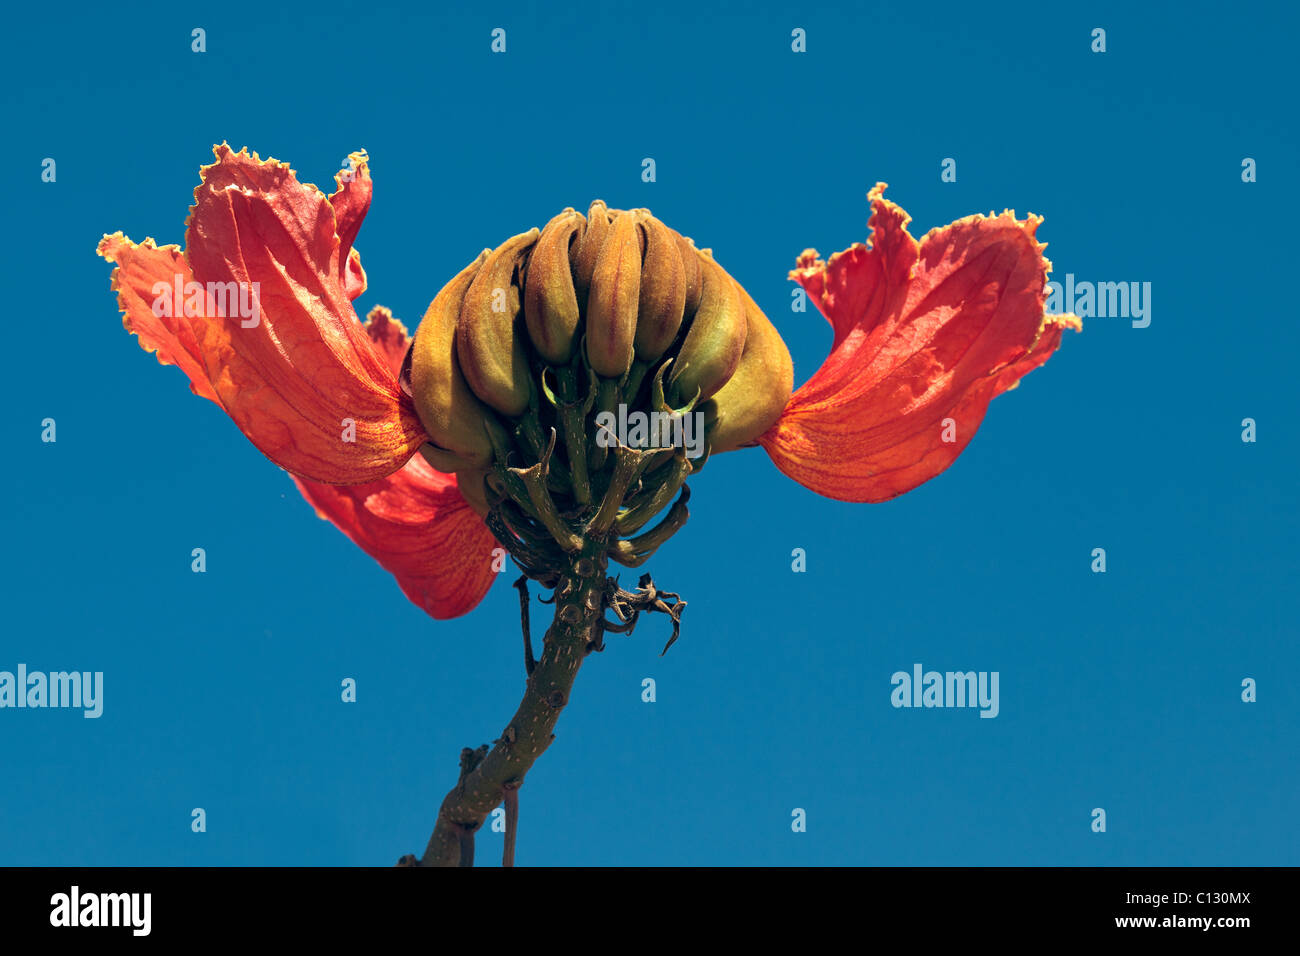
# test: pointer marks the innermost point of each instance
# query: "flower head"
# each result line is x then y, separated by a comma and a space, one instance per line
563, 386
926, 334
257, 312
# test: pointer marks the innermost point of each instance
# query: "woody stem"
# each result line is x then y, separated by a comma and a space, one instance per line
575, 630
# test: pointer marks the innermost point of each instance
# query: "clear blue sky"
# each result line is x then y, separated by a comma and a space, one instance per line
1118, 690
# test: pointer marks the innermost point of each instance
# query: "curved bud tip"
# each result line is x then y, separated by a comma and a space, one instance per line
551, 311
448, 409
663, 289
753, 399
488, 343
716, 339
614, 299
694, 279
588, 248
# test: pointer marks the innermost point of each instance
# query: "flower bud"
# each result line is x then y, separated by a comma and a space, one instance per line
613, 299
449, 411
754, 397
544, 373
550, 301
588, 248
715, 340
663, 289
691, 265
488, 343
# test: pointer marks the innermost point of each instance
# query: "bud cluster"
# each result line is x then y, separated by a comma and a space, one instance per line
525, 355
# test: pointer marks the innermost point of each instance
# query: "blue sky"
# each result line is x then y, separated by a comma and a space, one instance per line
1118, 690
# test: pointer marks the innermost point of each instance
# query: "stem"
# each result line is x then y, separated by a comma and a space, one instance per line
579, 607
512, 825
530, 662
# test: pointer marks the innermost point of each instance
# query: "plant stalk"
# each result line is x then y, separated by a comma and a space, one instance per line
575, 630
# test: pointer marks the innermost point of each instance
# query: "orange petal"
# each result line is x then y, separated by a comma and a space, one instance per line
415, 523
389, 335
351, 202
140, 270
925, 336
420, 529
301, 378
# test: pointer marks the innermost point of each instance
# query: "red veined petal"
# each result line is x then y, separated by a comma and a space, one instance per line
925, 336
415, 523
389, 335
301, 378
136, 280
420, 529
351, 201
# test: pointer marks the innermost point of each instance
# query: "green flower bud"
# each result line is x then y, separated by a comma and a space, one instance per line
551, 311
448, 409
588, 248
613, 299
754, 397
663, 289
691, 265
488, 343
715, 339
563, 375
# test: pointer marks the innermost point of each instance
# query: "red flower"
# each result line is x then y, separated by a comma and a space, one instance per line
257, 311
926, 335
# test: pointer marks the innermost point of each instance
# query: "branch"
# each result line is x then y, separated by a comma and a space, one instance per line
579, 604
512, 824
489, 777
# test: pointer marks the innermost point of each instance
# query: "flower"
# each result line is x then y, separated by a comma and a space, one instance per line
526, 367
315, 390
926, 334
